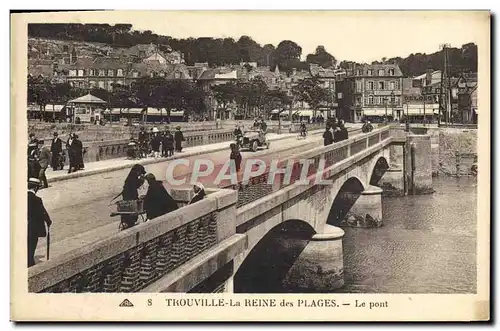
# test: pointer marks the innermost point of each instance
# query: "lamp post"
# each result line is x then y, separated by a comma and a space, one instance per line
385, 103
392, 104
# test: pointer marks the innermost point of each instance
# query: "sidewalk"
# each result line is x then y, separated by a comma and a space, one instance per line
92, 168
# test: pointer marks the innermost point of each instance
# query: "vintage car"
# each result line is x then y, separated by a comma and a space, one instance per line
253, 139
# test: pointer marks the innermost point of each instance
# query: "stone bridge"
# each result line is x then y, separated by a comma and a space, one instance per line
267, 236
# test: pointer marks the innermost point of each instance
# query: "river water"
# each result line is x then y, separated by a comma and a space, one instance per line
427, 244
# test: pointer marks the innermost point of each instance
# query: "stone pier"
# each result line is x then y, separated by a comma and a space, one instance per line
419, 170
366, 212
320, 266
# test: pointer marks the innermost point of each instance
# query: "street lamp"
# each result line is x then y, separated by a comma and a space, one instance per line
385, 103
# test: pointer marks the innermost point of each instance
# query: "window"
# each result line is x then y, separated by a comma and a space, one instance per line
359, 86
119, 72
80, 84
438, 90
101, 84
371, 86
392, 86
370, 72
152, 74
135, 74
102, 72
381, 72
177, 75
358, 101
92, 84
80, 72
91, 72
110, 72
72, 73
360, 73
381, 85
393, 99
391, 72
370, 100
398, 100
110, 85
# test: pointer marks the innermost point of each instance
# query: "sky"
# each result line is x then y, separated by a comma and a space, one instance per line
356, 36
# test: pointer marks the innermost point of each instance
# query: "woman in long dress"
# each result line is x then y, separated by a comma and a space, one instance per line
130, 192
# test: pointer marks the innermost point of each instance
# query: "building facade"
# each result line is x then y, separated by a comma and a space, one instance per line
373, 92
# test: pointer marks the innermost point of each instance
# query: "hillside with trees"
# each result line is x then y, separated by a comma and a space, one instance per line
224, 51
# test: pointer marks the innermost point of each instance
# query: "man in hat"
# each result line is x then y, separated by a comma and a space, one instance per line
43, 160
37, 218
56, 151
143, 142
179, 138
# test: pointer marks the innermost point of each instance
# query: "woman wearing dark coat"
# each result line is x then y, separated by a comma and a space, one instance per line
327, 137
157, 201
155, 144
134, 180
78, 146
179, 138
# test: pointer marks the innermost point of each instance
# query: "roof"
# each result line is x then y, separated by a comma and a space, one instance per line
377, 67
88, 98
43, 70
220, 73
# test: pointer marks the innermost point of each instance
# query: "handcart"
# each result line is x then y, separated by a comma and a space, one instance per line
129, 207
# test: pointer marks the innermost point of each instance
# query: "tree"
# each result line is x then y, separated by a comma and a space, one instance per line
322, 58
40, 91
309, 90
286, 56
123, 99
225, 93
277, 99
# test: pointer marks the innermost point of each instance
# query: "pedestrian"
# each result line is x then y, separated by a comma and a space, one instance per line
199, 193
43, 161
132, 149
56, 151
155, 143
78, 146
33, 164
168, 142
37, 219
179, 138
143, 142
32, 143
236, 156
157, 201
130, 192
71, 153
327, 136
343, 133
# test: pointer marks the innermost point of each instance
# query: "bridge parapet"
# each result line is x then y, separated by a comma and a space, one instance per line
134, 259
259, 187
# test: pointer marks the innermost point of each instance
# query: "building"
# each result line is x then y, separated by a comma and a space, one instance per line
372, 92
419, 107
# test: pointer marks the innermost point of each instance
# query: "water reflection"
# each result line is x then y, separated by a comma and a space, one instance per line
427, 244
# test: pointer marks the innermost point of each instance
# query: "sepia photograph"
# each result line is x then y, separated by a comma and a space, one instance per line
205, 165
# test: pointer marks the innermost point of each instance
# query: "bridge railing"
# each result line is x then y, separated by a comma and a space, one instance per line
133, 259
258, 187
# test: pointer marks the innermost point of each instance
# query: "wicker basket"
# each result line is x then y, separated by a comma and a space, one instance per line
130, 206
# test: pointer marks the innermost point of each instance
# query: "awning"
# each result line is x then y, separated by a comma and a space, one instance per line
418, 110
303, 112
48, 108
88, 99
163, 112
376, 112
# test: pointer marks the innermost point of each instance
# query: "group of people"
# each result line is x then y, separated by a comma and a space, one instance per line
40, 156
335, 131
155, 143
157, 201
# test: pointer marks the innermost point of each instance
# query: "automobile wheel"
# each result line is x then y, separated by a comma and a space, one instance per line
255, 145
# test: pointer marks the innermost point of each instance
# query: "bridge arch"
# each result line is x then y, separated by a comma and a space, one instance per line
347, 195
266, 266
378, 168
